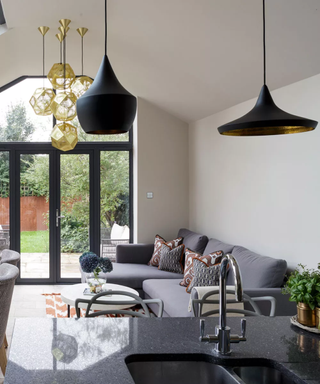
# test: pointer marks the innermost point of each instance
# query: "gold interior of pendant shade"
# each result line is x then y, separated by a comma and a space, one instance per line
65, 22
264, 131
43, 30
64, 30
60, 37
82, 31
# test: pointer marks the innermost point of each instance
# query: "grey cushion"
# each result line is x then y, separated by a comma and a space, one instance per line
204, 276
171, 259
10, 257
132, 275
193, 240
258, 271
174, 297
215, 245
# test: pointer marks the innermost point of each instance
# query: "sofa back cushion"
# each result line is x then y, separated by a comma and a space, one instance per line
258, 271
215, 245
193, 240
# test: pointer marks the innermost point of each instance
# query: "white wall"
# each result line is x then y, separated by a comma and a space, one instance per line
260, 192
161, 167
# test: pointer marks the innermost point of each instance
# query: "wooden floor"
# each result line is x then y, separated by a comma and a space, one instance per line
28, 301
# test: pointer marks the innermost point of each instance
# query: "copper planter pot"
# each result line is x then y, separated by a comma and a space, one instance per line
306, 316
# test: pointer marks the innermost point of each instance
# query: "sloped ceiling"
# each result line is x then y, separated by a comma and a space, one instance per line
192, 58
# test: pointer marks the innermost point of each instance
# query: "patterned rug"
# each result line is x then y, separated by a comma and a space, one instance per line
56, 308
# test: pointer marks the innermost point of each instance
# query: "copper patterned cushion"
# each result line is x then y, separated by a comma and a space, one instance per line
171, 259
204, 275
211, 259
158, 241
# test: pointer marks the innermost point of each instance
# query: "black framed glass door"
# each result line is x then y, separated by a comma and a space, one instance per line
65, 203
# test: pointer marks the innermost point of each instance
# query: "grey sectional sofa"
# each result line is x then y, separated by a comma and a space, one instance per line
261, 275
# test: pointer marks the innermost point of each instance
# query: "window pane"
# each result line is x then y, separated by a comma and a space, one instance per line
18, 120
114, 199
4, 201
75, 210
34, 215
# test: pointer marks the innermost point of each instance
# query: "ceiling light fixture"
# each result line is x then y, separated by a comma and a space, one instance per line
82, 83
107, 107
42, 97
266, 118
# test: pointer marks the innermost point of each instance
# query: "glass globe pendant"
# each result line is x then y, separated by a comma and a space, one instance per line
82, 83
64, 136
42, 97
61, 75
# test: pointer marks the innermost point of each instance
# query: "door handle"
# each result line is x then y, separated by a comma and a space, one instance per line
58, 217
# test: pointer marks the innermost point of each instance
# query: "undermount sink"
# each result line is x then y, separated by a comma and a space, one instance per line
198, 369
262, 375
176, 371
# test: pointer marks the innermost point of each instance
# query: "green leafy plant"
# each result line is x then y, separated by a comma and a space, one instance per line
303, 285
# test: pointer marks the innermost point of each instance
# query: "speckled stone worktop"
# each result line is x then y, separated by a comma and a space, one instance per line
61, 351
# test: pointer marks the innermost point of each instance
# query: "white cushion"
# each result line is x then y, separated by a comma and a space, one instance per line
116, 231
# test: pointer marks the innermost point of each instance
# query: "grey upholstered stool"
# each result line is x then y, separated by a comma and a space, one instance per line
8, 275
10, 257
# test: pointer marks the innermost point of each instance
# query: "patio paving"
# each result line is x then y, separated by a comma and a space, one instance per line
36, 265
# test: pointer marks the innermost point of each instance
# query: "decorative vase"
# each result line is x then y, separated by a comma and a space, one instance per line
318, 317
95, 283
306, 316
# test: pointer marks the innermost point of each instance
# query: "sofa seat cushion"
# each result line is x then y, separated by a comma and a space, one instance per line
133, 275
215, 245
193, 240
258, 271
174, 297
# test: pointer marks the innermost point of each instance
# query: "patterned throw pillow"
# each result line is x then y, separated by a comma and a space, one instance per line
158, 241
204, 275
171, 259
210, 259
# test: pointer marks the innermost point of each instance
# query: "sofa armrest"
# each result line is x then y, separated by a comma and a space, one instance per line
134, 253
284, 307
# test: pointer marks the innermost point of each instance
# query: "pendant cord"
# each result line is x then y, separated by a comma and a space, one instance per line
60, 52
64, 61
81, 55
105, 27
264, 45
43, 59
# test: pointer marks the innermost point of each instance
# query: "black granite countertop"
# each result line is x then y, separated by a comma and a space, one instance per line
60, 351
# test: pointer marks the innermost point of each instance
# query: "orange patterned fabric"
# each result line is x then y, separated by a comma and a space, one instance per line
210, 259
158, 241
56, 308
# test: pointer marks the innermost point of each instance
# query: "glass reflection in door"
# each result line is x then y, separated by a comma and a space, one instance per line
74, 212
34, 216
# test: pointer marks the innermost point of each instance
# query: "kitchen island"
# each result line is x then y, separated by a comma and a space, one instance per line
96, 350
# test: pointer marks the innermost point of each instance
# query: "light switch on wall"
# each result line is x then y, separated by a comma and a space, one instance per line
149, 195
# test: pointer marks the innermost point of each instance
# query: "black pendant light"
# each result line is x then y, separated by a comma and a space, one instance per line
106, 108
266, 118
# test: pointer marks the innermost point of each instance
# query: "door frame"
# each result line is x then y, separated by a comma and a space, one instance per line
91, 148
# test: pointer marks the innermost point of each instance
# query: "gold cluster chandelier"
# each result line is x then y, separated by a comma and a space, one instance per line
60, 100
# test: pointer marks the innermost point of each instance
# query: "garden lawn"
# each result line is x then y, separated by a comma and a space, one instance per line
35, 242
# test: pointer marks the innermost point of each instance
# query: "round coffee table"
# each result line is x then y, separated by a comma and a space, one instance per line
70, 294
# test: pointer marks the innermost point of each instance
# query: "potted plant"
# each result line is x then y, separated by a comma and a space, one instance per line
93, 264
303, 285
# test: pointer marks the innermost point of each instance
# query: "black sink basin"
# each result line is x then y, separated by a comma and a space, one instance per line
166, 370
262, 375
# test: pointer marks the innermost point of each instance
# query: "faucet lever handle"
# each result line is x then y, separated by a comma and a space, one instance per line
243, 327
202, 324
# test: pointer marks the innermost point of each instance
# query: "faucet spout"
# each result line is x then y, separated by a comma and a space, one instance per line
226, 259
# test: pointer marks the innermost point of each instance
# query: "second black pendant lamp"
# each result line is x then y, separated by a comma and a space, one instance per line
266, 118
107, 107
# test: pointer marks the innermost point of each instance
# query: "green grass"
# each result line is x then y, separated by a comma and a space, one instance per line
35, 242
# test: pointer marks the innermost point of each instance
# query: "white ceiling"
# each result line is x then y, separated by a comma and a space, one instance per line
192, 58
